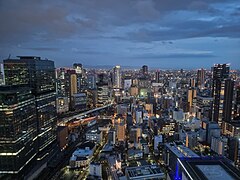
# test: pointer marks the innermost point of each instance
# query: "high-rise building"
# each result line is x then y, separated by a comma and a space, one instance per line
192, 82
228, 100
61, 82
18, 129
38, 74
203, 107
157, 74
220, 72
127, 84
91, 81
79, 76
117, 81
71, 86
102, 95
201, 77
192, 93
102, 90
102, 79
237, 103
62, 101
233, 150
78, 68
145, 69
2, 82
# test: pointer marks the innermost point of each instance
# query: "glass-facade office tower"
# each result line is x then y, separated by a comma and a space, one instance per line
18, 128
222, 92
38, 74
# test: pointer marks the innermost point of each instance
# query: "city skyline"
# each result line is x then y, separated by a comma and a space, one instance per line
80, 123
187, 34
120, 89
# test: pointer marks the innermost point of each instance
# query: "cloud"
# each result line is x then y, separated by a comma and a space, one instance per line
185, 30
44, 49
26, 20
174, 55
88, 52
117, 28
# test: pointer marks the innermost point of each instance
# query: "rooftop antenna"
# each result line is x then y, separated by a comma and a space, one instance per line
9, 56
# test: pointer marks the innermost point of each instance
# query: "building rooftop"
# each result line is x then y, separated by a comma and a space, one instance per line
213, 169
29, 57
143, 172
180, 150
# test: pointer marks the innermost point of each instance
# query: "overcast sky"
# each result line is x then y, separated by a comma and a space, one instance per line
159, 33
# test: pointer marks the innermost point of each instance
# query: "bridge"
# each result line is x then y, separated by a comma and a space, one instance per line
80, 116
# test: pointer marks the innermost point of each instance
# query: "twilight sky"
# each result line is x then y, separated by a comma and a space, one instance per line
159, 33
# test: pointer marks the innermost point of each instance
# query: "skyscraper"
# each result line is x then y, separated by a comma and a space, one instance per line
192, 82
192, 93
145, 69
91, 81
228, 100
157, 74
38, 74
61, 82
71, 85
78, 68
221, 87
102, 89
79, 74
201, 77
18, 129
237, 103
117, 81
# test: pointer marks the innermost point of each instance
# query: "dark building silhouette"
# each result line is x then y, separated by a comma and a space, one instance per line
145, 69
201, 77
233, 150
157, 74
221, 86
18, 129
237, 103
228, 100
39, 75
